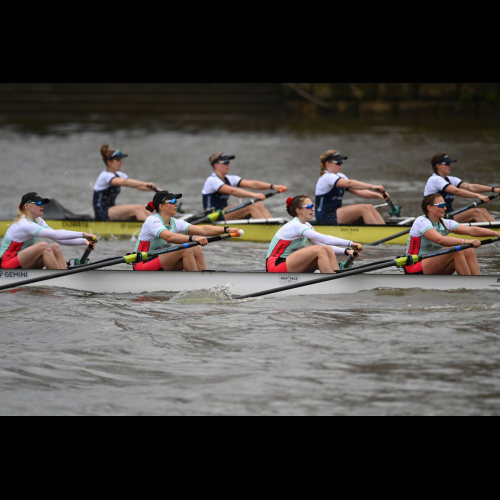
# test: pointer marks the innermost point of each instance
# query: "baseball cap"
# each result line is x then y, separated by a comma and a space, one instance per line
33, 198
444, 158
336, 157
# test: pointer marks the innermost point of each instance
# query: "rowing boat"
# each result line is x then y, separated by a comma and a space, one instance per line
240, 283
256, 230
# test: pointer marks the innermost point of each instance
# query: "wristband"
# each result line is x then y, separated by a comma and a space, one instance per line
272, 187
226, 229
191, 239
346, 251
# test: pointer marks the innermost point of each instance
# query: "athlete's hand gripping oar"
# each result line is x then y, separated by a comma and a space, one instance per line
127, 259
470, 207
85, 257
350, 261
214, 217
394, 210
399, 262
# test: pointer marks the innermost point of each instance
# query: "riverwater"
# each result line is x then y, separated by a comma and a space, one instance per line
386, 352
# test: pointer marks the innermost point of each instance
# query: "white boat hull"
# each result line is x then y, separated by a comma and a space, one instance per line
243, 283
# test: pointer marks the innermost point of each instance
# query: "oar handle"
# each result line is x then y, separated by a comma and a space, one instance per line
85, 257
395, 211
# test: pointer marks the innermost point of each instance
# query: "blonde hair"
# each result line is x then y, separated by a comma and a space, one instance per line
323, 160
21, 214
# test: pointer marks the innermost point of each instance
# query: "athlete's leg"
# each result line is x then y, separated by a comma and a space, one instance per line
471, 259
128, 212
59, 256
199, 256
256, 211
179, 261
309, 260
39, 256
475, 215
368, 213
333, 258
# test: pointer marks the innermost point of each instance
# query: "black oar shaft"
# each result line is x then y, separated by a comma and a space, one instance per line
390, 238
470, 207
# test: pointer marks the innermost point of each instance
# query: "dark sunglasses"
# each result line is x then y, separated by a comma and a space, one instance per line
441, 205
224, 162
309, 207
169, 202
447, 164
37, 203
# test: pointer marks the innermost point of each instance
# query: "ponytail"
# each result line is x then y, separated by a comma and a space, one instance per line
107, 152
150, 207
294, 204
323, 159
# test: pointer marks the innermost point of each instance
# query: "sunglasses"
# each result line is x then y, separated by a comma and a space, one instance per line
440, 205
169, 202
447, 164
224, 162
309, 207
37, 203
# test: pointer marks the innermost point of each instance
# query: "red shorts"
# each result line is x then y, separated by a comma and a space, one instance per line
154, 265
415, 269
276, 265
10, 263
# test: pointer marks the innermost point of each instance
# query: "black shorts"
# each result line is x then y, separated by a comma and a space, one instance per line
328, 217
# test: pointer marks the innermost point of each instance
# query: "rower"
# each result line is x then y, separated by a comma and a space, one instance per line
161, 230
289, 252
429, 234
19, 249
220, 186
108, 187
331, 189
448, 187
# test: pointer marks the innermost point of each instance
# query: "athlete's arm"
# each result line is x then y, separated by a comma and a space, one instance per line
463, 193
323, 239
476, 232
210, 230
132, 183
180, 239
262, 185
479, 188
352, 184
241, 193
365, 193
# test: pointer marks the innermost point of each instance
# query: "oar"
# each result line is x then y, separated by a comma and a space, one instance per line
470, 207
84, 259
394, 210
390, 238
127, 259
399, 262
214, 217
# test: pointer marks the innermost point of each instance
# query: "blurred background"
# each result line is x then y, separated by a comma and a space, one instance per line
51, 134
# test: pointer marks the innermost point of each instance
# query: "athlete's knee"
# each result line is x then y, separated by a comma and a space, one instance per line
46, 247
56, 248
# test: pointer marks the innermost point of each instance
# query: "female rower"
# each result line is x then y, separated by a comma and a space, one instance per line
448, 187
220, 186
289, 253
430, 234
19, 249
330, 191
108, 187
161, 230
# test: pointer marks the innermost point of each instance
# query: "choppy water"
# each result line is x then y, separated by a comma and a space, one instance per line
386, 352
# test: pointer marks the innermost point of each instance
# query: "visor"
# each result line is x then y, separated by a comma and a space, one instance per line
337, 157
118, 155
445, 159
222, 157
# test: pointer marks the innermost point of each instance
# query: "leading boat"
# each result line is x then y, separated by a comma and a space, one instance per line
210, 283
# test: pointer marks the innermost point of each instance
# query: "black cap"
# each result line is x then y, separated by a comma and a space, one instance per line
32, 197
443, 159
160, 198
337, 157
216, 158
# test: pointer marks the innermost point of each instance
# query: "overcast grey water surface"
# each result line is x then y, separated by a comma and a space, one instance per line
386, 352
